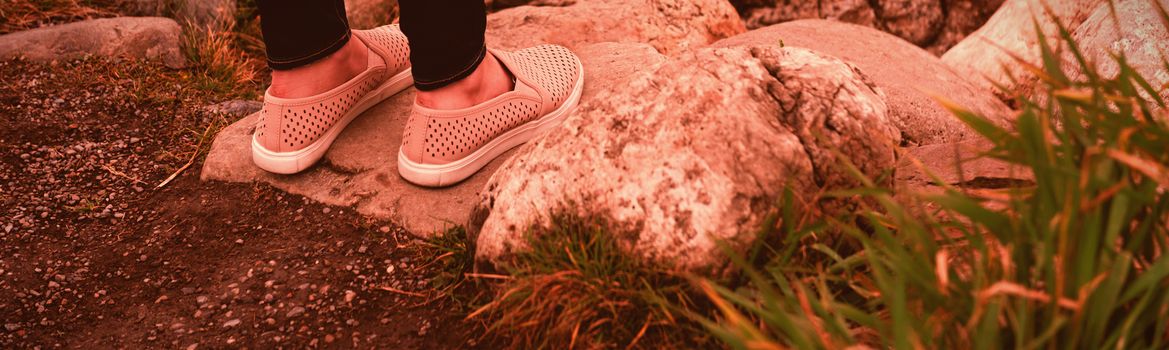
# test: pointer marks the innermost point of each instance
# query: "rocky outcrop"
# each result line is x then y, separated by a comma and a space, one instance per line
668, 25
935, 25
984, 54
693, 153
360, 170
150, 38
1137, 31
907, 74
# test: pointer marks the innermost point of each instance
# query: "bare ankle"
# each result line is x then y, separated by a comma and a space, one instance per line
322, 75
489, 80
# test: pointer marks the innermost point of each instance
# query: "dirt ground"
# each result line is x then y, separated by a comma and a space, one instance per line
92, 254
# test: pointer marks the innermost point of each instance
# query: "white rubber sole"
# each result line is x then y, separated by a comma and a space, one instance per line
297, 161
440, 175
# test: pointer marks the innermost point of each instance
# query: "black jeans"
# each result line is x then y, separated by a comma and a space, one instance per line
446, 36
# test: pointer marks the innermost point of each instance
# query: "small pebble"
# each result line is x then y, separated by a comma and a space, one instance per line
296, 311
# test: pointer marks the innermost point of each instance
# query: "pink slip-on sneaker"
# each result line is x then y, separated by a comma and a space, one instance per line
443, 147
293, 134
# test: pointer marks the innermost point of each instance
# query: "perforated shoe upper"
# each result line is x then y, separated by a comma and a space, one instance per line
289, 125
390, 43
545, 77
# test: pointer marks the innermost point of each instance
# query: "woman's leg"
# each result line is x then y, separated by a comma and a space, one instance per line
472, 106
308, 46
323, 77
450, 62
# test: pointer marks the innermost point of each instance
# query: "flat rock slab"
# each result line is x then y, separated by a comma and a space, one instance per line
360, 170
959, 164
152, 38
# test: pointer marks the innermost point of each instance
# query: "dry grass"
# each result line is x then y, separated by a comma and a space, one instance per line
16, 15
219, 65
576, 288
1074, 260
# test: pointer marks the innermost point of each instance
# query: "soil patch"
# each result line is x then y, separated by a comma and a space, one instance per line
93, 255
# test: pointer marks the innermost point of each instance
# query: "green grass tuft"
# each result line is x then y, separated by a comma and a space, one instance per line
1076, 260
577, 288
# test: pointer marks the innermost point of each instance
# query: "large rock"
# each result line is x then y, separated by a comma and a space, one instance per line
669, 25
203, 14
693, 153
360, 169
906, 73
918, 21
151, 38
365, 14
932, 24
1140, 35
215, 14
962, 18
986, 54
764, 13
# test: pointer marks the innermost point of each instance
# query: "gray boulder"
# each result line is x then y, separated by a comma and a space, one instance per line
1140, 35
907, 74
360, 169
986, 55
918, 21
151, 38
203, 14
365, 14
935, 25
693, 153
